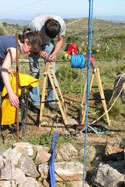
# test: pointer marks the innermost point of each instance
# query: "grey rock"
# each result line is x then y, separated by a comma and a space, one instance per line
109, 175
43, 169
29, 182
24, 147
13, 155
90, 153
2, 150
8, 183
63, 171
9, 172
71, 121
1, 162
28, 167
66, 152
118, 85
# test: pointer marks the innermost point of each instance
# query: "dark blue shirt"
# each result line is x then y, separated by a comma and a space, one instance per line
5, 43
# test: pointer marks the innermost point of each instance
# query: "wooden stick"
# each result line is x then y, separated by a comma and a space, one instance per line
47, 73
57, 84
84, 109
43, 94
57, 97
17, 84
98, 79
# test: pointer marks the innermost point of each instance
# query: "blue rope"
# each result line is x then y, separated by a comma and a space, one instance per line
78, 61
52, 169
88, 76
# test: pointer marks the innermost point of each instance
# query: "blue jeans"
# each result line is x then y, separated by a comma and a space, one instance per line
34, 63
1, 85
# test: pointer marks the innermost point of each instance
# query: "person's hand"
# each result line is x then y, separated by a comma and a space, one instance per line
52, 57
14, 101
43, 54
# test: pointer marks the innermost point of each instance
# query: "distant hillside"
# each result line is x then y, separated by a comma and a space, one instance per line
19, 22
22, 22
116, 19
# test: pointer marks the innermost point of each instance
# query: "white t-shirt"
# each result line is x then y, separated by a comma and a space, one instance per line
37, 23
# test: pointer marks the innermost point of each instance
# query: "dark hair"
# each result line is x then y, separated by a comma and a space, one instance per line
52, 28
34, 40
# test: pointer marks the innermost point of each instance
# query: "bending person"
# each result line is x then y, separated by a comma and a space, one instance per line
49, 27
27, 43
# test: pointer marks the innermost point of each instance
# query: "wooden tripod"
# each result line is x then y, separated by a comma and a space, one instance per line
95, 73
60, 101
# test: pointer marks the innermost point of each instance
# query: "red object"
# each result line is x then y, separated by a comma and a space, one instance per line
80, 127
92, 58
72, 49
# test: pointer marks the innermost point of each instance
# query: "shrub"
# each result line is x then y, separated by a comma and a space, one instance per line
2, 29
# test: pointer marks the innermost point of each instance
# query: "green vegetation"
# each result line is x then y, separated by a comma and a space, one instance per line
2, 29
108, 47
118, 110
46, 140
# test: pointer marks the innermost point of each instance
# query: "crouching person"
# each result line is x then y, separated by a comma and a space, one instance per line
27, 43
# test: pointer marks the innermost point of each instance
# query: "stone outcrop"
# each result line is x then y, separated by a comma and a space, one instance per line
26, 165
110, 175
118, 86
72, 171
110, 172
66, 152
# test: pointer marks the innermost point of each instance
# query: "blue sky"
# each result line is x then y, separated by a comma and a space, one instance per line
27, 9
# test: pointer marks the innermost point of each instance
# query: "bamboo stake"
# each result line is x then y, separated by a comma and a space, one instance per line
17, 84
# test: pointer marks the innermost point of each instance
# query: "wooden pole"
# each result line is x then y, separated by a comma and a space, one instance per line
47, 73
98, 79
17, 84
43, 94
59, 103
96, 73
57, 85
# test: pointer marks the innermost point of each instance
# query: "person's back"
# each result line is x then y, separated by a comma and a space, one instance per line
49, 27
5, 43
37, 24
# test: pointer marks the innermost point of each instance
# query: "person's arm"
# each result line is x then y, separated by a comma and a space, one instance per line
58, 46
7, 63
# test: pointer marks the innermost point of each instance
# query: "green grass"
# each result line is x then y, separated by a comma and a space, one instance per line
46, 140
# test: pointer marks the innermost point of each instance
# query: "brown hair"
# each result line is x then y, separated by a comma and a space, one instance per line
34, 40
52, 28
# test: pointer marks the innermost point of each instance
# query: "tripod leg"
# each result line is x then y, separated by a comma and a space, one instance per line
59, 103
51, 68
43, 98
22, 106
84, 111
91, 82
97, 74
84, 94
